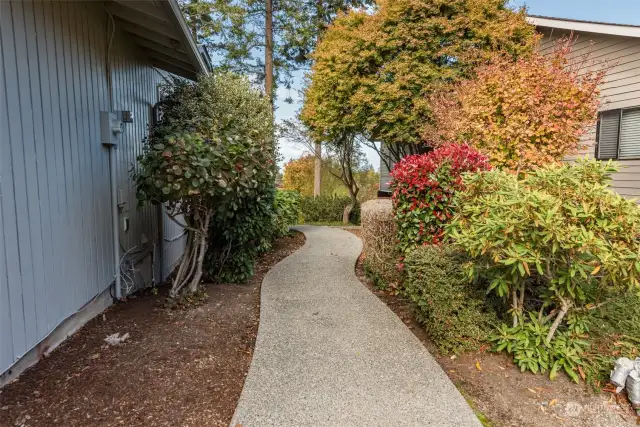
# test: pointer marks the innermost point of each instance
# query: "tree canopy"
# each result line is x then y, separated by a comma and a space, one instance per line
372, 72
233, 31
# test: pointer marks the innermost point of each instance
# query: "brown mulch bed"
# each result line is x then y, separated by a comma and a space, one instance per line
507, 397
183, 367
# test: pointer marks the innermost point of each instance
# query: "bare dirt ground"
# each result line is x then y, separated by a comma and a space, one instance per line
183, 367
507, 397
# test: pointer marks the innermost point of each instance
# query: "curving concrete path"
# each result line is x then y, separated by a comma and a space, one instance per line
330, 353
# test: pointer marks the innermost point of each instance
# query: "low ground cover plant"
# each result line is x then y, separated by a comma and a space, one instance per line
423, 189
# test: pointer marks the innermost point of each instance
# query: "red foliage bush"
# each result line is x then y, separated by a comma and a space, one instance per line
423, 188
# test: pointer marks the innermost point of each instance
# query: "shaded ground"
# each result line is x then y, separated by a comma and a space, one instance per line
180, 367
507, 397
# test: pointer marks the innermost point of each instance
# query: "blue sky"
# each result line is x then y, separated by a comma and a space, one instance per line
615, 11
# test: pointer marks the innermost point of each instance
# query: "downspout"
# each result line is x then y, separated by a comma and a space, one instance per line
114, 213
113, 174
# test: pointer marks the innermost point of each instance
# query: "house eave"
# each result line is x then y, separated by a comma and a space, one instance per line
161, 33
585, 26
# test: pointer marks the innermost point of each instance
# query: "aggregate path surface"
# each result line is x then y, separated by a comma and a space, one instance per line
330, 353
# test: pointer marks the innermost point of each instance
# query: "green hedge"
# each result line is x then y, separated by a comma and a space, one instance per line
452, 310
287, 205
327, 209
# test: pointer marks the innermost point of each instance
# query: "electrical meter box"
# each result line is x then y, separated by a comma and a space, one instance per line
110, 128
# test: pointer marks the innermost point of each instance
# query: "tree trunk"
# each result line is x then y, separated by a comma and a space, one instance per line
350, 206
317, 172
514, 306
564, 307
268, 51
193, 286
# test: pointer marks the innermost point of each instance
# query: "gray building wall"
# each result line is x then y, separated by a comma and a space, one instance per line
55, 211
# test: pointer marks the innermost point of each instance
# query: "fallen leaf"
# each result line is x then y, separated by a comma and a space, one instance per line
553, 402
532, 390
582, 375
454, 357
478, 367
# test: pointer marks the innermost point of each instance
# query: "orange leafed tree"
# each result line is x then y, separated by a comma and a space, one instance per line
298, 175
522, 114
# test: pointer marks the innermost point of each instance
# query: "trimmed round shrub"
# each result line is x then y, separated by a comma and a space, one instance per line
379, 241
452, 310
423, 189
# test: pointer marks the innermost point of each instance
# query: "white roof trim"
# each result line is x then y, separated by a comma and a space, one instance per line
585, 26
173, 9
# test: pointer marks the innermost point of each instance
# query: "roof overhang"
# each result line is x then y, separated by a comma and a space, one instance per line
585, 26
161, 33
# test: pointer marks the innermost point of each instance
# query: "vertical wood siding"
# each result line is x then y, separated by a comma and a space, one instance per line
621, 89
55, 210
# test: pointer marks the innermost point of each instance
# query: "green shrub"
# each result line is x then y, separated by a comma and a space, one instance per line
558, 235
327, 209
238, 235
287, 206
211, 160
453, 311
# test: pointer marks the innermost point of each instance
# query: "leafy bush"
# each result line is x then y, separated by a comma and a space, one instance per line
327, 209
238, 235
227, 165
586, 348
453, 311
527, 343
379, 243
522, 114
558, 236
287, 211
423, 188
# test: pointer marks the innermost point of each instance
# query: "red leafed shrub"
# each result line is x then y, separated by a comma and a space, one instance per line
423, 189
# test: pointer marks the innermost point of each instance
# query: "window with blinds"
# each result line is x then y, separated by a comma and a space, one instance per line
619, 134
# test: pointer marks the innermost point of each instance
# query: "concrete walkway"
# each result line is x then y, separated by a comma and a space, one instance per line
330, 353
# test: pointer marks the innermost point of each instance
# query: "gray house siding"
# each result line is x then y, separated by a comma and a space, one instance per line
55, 211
